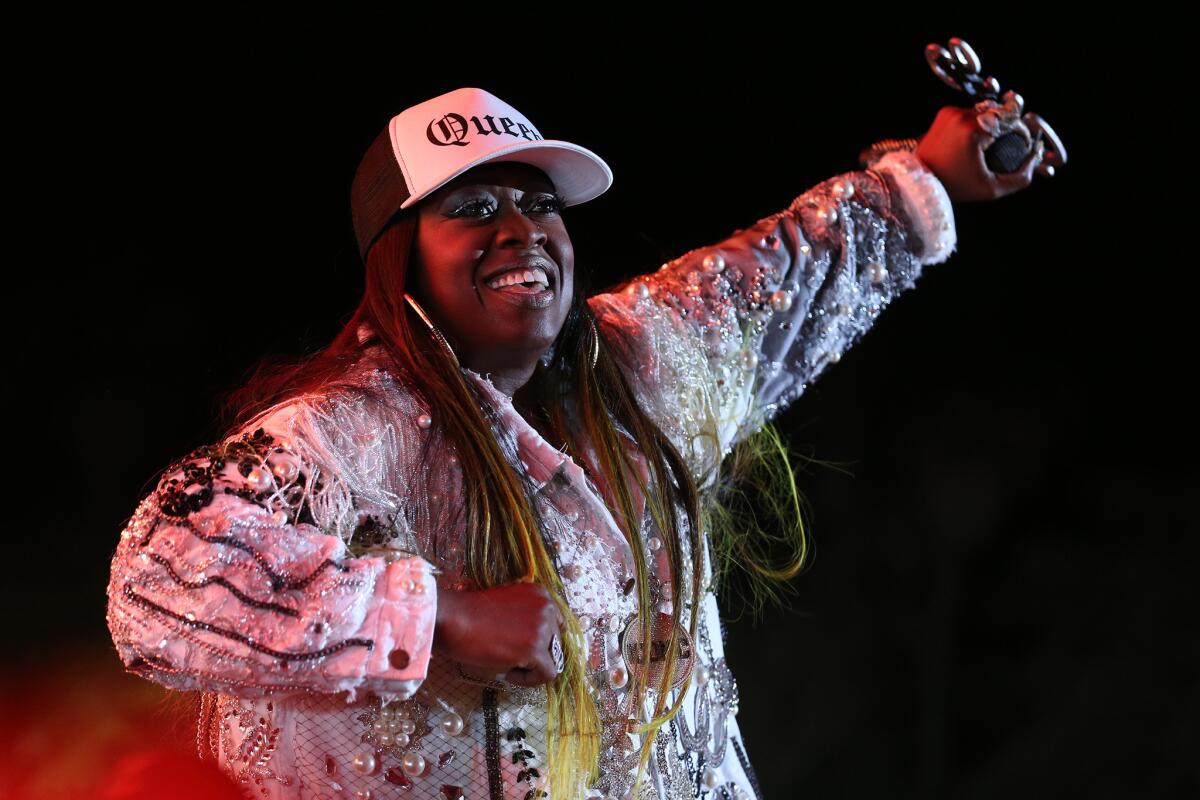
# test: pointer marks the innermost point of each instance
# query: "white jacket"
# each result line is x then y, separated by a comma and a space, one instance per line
235, 577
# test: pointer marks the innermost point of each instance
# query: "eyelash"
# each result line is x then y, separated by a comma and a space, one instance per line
556, 201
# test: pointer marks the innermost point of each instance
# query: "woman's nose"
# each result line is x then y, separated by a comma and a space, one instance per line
515, 226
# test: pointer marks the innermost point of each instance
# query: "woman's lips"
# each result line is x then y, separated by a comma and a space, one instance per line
524, 296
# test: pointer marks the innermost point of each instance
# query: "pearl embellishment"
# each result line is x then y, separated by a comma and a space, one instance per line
424, 420
877, 272
639, 289
363, 763
259, 478
413, 763
285, 470
618, 677
452, 724
713, 263
781, 301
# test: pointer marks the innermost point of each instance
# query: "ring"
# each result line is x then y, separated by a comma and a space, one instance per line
556, 651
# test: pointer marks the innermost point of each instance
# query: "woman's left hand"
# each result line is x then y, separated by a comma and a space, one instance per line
953, 148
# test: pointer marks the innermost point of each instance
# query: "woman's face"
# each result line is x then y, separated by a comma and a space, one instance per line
486, 223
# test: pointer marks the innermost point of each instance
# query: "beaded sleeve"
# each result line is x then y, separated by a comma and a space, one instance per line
721, 339
237, 573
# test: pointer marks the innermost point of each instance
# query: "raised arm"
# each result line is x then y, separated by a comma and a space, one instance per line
723, 338
230, 577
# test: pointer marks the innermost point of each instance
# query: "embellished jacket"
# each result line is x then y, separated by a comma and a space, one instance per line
236, 577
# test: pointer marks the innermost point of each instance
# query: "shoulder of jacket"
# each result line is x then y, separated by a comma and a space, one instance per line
363, 398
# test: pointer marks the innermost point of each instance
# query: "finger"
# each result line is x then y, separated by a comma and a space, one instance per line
978, 160
533, 676
520, 677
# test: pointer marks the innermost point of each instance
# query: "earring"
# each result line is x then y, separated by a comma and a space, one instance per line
433, 328
595, 342
548, 356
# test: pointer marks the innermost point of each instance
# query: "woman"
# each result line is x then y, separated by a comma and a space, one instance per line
470, 548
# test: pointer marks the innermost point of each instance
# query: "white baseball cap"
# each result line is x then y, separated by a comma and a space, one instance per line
429, 144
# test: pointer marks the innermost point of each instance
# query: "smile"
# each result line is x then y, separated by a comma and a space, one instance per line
527, 288
533, 278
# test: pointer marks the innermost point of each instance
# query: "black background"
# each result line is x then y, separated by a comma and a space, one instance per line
998, 605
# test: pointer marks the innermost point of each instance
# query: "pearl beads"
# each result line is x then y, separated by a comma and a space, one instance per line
877, 271
452, 724
713, 263
259, 478
769, 242
654, 543
413, 763
285, 470
781, 301
363, 763
618, 677
710, 778
701, 674
424, 421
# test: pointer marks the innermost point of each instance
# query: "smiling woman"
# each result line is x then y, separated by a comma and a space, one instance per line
495, 269
472, 547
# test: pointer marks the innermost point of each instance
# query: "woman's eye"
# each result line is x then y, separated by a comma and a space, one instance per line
545, 204
548, 204
469, 208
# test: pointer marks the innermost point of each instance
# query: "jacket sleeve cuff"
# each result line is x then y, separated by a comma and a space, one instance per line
926, 204
403, 615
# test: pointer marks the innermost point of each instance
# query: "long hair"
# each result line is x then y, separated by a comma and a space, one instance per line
504, 539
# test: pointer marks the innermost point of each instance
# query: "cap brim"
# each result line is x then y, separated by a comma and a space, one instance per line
578, 174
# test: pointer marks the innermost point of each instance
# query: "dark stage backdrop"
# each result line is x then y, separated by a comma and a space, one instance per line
999, 602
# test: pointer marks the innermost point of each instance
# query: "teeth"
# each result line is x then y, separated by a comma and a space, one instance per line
521, 276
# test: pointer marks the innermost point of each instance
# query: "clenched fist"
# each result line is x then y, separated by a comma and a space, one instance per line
953, 149
506, 629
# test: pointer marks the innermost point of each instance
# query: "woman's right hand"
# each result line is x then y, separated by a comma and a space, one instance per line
506, 629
